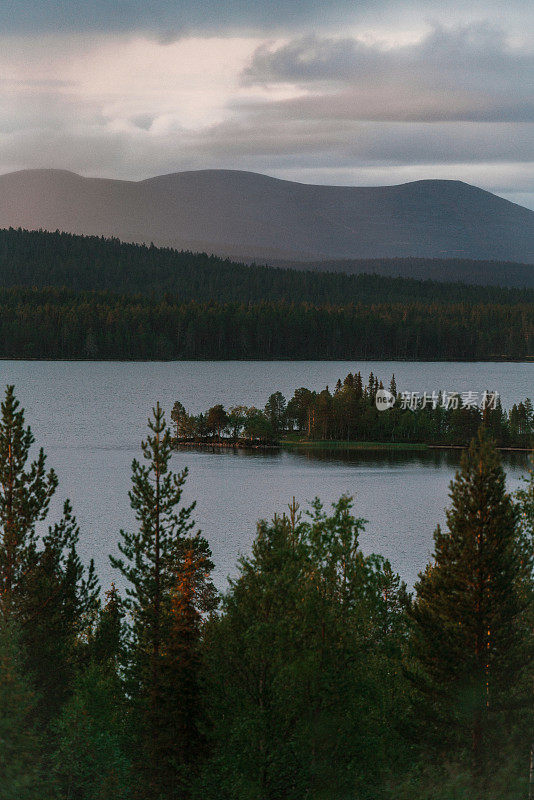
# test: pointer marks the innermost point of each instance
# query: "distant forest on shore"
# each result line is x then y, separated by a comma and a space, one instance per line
73, 297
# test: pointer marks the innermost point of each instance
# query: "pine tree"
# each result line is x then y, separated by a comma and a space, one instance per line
469, 634
525, 500
57, 611
153, 559
108, 641
275, 411
182, 742
25, 494
177, 415
43, 584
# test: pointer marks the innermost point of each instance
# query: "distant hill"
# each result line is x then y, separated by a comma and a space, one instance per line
254, 217
80, 263
443, 270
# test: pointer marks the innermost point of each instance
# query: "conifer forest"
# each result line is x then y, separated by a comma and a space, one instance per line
316, 674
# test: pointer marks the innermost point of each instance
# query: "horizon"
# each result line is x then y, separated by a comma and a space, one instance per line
263, 175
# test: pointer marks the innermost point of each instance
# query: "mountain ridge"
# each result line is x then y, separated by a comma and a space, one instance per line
250, 216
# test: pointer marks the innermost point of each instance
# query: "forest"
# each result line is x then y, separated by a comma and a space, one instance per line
316, 674
64, 324
89, 263
74, 297
350, 414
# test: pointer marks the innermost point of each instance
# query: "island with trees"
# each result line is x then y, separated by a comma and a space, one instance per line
348, 416
316, 674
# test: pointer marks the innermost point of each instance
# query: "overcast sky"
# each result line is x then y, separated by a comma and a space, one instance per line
360, 92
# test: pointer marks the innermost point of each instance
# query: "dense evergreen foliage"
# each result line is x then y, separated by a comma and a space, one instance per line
350, 413
41, 259
60, 323
167, 567
318, 676
471, 668
444, 270
73, 297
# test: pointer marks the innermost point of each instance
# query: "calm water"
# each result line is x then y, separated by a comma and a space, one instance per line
91, 416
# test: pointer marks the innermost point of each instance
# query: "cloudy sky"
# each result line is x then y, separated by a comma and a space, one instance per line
360, 92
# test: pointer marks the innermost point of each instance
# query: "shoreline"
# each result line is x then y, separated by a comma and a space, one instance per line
273, 359
335, 445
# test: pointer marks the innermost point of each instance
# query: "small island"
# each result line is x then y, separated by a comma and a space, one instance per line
349, 417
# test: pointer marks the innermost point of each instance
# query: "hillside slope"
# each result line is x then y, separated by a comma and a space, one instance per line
87, 263
251, 216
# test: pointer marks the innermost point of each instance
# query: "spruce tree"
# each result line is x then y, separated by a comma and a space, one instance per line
57, 611
469, 635
107, 646
178, 413
163, 644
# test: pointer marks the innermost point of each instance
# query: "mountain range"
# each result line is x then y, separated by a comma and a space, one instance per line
258, 218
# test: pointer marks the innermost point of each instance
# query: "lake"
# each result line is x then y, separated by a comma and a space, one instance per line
91, 416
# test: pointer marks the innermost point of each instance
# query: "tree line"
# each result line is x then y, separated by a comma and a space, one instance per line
316, 674
82, 263
64, 324
350, 413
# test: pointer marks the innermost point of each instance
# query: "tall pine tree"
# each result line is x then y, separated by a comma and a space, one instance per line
167, 566
469, 635
43, 584
25, 494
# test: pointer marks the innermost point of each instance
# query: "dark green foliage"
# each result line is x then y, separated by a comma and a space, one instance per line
25, 493
319, 677
93, 741
167, 567
525, 499
216, 420
275, 411
350, 414
21, 756
61, 323
91, 762
82, 263
301, 665
44, 586
65, 296
470, 646
57, 612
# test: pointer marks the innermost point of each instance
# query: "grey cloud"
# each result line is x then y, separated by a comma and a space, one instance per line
170, 19
144, 121
463, 73
263, 144
499, 158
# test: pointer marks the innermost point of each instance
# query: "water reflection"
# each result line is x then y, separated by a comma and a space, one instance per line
438, 457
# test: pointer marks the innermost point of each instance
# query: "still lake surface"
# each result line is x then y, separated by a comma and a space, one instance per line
91, 416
